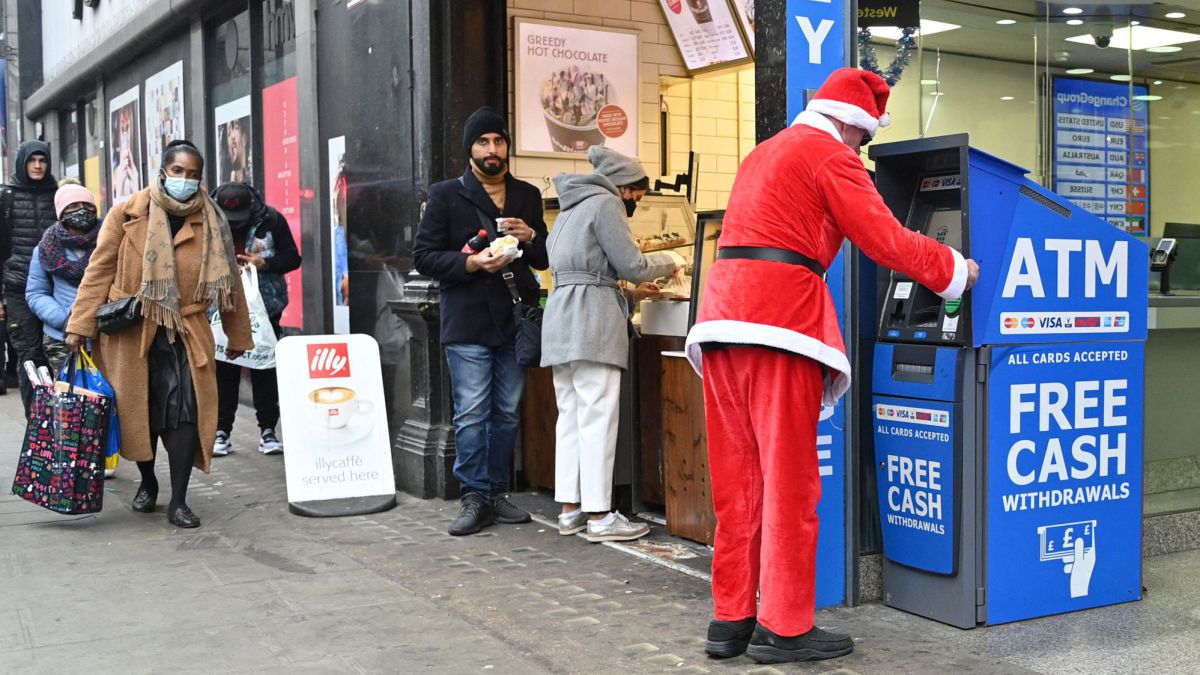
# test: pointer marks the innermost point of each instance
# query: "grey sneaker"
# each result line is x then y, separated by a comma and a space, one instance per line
572, 524
620, 529
222, 446
268, 442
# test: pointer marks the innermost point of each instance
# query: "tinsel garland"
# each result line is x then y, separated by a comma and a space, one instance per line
905, 46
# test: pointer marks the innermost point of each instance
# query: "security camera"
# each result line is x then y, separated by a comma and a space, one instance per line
1102, 34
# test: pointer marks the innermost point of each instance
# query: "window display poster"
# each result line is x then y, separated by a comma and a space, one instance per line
235, 142
164, 113
339, 254
124, 139
281, 171
576, 87
706, 32
1102, 150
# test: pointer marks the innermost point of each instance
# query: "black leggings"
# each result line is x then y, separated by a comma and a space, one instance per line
182, 444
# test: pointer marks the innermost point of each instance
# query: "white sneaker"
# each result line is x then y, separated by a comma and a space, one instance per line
619, 529
268, 443
570, 524
222, 446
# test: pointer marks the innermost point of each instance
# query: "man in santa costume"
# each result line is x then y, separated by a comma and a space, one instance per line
767, 343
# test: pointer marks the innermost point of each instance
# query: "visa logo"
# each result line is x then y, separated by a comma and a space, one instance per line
1098, 268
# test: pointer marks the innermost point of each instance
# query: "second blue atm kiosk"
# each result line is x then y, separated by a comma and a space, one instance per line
1008, 425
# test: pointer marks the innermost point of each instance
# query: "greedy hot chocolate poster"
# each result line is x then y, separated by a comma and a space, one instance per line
577, 87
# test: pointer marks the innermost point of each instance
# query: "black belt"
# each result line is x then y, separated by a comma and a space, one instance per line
772, 255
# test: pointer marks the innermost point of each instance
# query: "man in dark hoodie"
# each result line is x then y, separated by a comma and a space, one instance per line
478, 330
263, 239
26, 211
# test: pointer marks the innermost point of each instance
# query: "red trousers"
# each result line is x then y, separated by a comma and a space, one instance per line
761, 409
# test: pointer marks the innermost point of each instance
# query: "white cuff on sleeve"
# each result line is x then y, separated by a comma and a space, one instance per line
958, 282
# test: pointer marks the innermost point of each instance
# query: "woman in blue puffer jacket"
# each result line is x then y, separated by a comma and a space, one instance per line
57, 267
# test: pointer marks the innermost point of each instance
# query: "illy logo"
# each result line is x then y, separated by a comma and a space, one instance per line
330, 360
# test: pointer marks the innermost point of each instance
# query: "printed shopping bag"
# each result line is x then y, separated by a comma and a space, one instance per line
61, 467
263, 354
89, 377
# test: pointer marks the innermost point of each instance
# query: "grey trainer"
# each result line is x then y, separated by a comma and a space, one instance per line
620, 529
571, 524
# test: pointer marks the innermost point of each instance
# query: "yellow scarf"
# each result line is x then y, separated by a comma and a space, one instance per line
493, 185
159, 293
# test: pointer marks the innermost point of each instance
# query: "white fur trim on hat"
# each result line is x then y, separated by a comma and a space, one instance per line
847, 113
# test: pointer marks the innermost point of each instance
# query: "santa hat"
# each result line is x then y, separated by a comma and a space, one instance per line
855, 97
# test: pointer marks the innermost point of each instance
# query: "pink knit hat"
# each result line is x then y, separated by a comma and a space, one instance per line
71, 194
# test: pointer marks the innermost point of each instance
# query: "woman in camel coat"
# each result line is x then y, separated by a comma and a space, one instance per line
169, 246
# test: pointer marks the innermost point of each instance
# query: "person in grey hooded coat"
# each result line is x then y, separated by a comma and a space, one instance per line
584, 335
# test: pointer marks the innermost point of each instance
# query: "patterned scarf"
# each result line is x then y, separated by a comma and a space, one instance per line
159, 292
53, 251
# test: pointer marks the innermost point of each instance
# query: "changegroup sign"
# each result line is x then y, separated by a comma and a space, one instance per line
334, 418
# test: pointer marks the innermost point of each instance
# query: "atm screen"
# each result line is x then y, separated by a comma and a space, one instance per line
945, 225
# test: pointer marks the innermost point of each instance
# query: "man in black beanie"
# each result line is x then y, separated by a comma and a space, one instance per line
478, 330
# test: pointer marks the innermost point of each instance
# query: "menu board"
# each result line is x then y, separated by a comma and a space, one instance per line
1101, 150
706, 32
576, 86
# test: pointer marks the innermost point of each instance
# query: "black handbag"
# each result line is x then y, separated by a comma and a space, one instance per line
118, 315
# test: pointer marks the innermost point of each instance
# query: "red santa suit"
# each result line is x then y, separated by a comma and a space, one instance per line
767, 343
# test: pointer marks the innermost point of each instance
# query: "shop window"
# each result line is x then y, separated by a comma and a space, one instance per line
68, 146
228, 65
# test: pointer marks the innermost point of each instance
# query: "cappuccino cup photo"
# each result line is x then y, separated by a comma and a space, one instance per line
337, 405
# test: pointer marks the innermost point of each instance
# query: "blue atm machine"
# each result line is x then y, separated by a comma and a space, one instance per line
1007, 425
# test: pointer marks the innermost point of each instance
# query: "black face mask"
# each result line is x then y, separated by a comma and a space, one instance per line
630, 206
82, 220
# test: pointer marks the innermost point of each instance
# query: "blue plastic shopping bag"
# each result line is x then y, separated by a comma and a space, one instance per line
88, 376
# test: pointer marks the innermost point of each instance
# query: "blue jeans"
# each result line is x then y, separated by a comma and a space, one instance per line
487, 385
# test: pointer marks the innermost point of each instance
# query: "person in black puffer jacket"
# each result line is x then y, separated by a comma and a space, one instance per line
26, 211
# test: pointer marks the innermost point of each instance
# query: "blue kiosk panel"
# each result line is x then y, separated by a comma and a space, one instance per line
1064, 503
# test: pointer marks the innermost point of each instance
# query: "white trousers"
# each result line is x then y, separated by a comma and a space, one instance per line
589, 395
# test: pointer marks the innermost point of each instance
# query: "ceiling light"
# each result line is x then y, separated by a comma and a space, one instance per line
1164, 50
1158, 82
1072, 10
1006, 98
1080, 71
1135, 23
936, 93
928, 27
1175, 15
1120, 78
1006, 22
1075, 22
1141, 37
1147, 97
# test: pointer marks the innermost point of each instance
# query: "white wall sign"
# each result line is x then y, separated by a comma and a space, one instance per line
164, 113
706, 32
576, 86
334, 418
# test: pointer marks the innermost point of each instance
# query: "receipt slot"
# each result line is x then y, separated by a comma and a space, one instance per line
1008, 424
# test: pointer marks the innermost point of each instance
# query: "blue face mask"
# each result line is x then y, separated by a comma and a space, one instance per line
181, 189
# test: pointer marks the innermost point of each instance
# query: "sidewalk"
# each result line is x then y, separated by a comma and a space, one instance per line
258, 590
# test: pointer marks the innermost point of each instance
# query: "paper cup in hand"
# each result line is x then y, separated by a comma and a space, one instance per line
337, 405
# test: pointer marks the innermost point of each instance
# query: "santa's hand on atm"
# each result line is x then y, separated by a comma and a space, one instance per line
972, 272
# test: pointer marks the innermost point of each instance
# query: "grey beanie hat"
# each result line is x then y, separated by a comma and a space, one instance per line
618, 168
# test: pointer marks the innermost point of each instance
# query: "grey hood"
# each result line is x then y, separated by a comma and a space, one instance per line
573, 188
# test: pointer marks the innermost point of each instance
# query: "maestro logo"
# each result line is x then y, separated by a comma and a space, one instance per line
1027, 322
328, 360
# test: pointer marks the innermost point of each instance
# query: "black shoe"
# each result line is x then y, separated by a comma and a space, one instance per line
182, 516
145, 501
816, 644
508, 513
474, 515
727, 639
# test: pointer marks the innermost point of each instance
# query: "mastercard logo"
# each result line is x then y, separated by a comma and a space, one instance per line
1010, 322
